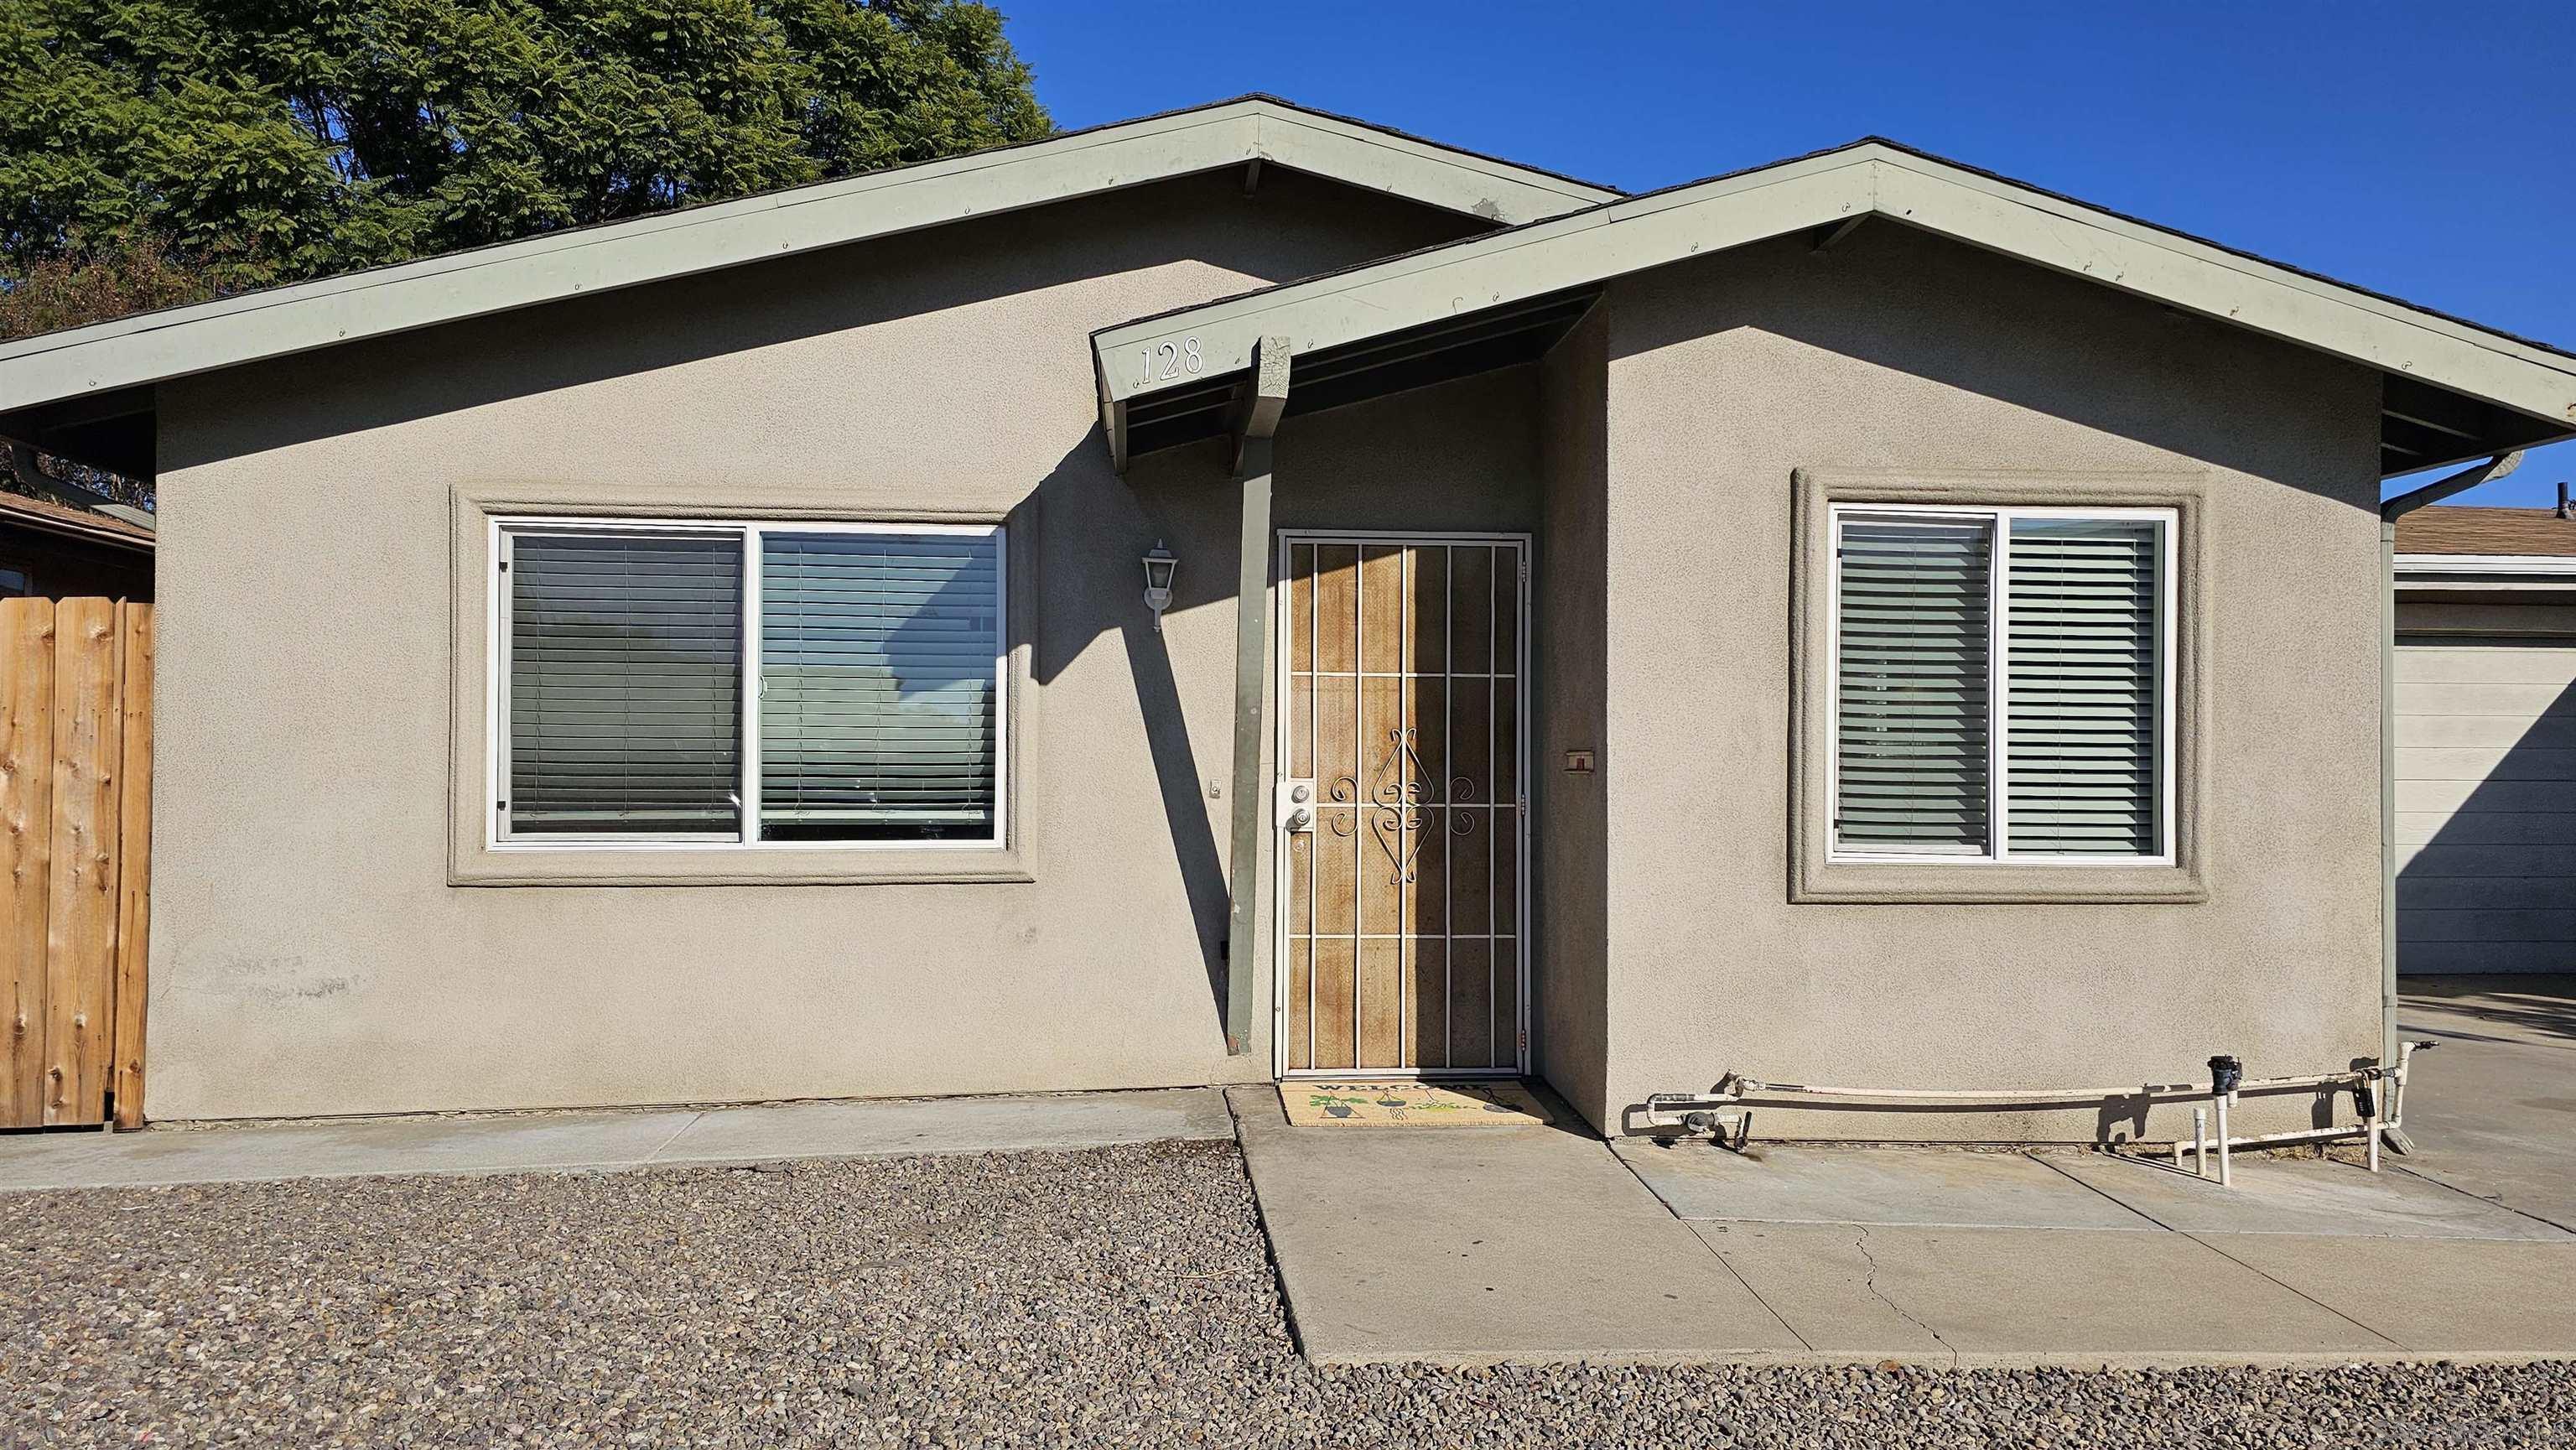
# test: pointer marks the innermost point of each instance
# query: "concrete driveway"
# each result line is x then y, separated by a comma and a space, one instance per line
1537, 1244
2493, 1110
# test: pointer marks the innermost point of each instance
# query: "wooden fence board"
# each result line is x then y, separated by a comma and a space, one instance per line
75, 859
26, 831
80, 917
134, 863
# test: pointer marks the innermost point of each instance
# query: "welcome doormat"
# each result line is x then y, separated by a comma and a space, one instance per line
1412, 1104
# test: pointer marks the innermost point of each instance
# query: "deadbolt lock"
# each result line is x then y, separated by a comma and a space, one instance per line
1294, 814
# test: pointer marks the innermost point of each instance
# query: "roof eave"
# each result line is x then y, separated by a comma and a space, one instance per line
1872, 178
159, 346
131, 537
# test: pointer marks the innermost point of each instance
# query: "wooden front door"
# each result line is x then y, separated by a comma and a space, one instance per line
1403, 668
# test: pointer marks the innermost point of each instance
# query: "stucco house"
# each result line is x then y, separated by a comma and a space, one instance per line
1244, 593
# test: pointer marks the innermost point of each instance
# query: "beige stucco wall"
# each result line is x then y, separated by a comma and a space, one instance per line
1899, 351
312, 956
1570, 926
309, 952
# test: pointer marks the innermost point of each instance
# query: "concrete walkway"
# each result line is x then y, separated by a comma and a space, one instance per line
1956, 1257
1517, 1244
1472, 1245
607, 1141
1538, 1244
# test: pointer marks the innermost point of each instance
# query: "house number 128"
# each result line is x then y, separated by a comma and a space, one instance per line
1165, 361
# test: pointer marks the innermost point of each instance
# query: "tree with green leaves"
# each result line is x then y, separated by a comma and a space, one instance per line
159, 151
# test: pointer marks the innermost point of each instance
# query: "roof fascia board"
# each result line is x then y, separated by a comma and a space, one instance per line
1621, 237
101, 533
2537, 588
1495, 270
2222, 257
736, 230
2221, 284
1417, 170
157, 346
2488, 563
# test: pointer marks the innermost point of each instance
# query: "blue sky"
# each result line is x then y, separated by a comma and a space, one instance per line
2419, 149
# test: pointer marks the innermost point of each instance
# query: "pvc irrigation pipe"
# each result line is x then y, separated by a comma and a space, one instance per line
2299, 1135
2376, 1104
1736, 1089
2385, 1083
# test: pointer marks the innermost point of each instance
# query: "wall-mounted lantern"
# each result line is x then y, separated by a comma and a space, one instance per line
1160, 565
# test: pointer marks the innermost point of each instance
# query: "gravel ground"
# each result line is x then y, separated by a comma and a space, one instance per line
1118, 1297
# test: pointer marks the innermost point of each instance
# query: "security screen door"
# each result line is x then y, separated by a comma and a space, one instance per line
1402, 677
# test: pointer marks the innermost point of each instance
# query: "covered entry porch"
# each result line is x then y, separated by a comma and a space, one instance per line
1402, 619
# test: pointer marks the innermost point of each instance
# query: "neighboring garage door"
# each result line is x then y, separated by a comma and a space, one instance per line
2486, 804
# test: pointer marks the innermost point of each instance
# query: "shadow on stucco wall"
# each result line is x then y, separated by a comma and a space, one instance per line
1094, 528
1016, 263
1927, 307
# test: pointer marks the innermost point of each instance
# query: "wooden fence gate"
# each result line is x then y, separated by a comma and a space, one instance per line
75, 901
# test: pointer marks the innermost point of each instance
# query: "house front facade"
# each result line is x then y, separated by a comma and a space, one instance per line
1245, 594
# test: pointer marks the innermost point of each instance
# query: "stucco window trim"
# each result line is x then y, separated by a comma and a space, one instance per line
1815, 875
475, 860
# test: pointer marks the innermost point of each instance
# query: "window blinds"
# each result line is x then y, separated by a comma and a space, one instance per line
878, 685
625, 684
1911, 722
2081, 687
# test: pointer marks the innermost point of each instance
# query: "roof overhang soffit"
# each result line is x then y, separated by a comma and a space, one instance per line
2491, 392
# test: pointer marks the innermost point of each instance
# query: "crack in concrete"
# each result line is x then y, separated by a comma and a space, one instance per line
1870, 1282
665, 1145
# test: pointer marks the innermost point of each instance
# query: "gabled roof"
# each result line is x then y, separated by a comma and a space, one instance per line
2455, 390
150, 347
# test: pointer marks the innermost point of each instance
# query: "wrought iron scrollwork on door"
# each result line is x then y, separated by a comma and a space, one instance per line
1396, 817
1462, 792
1398, 804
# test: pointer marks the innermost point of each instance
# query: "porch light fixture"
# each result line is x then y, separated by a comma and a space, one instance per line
1160, 565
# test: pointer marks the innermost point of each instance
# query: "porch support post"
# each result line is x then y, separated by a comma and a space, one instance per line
1256, 419
2390, 511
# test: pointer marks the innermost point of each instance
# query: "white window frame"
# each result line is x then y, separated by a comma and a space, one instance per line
496, 762
1998, 666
